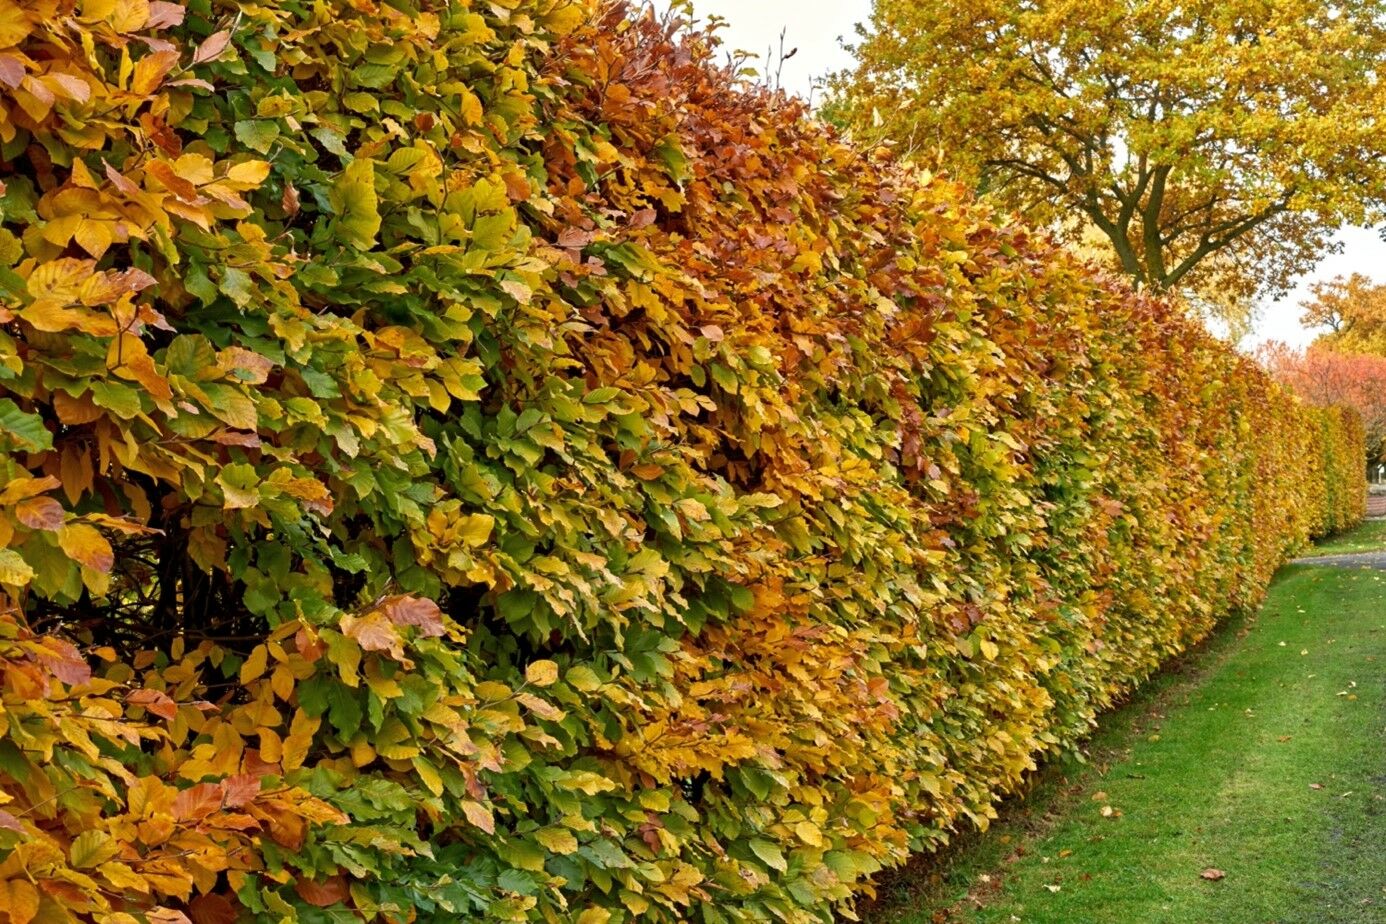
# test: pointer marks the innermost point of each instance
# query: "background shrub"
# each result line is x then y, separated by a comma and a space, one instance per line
478, 462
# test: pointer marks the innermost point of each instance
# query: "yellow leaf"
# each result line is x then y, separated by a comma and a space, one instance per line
557, 840
255, 664
475, 529
94, 237
151, 70
542, 673
92, 848
14, 570
429, 774
248, 173
479, 815
83, 544
14, 28
472, 112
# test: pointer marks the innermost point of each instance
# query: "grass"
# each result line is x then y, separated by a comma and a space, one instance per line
1263, 755
1368, 537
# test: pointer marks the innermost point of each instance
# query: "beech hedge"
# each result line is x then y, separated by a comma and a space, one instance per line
482, 461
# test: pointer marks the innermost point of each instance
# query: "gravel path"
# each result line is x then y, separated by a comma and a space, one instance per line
1375, 560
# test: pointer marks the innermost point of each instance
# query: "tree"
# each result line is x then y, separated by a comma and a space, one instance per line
1215, 144
1324, 377
1354, 311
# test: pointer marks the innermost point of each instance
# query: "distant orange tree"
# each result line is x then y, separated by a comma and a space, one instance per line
1325, 377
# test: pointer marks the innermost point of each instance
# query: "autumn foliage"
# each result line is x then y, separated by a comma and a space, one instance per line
1324, 377
475, 461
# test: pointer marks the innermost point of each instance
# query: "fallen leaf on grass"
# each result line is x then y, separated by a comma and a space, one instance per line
1316, 786
1213, 875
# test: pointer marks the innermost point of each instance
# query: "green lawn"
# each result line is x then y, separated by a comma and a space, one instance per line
1369, 537
1263, 755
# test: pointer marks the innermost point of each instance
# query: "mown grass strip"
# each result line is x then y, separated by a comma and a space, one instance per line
1264, 758
1370, 536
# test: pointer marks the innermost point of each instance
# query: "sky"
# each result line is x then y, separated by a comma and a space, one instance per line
812, 26
815, 27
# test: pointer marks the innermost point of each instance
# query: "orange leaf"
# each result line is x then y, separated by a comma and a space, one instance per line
197, 802
20, 900
156, 701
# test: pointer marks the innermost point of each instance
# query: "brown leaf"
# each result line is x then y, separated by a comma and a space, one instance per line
121, 182
12, 71
322, 894
163, 14
1213, 875
373, 632
289, 200
213, 909
212, 46
419, 612
64, 661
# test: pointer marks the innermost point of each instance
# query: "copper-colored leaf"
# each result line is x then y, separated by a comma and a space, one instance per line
322, 894
212, 46
40, 513
156, 701
419, 612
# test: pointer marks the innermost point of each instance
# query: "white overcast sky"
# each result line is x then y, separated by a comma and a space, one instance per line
815, 27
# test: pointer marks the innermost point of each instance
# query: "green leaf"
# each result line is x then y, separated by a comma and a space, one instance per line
236, 285
769, 853
355, 204
257, 134
25, 430
600, 395
344, 710
121, 400
674, 159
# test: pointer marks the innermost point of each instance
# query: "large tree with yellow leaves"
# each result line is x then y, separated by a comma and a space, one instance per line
1216, 143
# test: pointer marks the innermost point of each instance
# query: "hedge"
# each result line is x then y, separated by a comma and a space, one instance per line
481, 461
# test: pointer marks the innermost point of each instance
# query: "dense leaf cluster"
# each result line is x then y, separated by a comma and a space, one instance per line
474, 461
